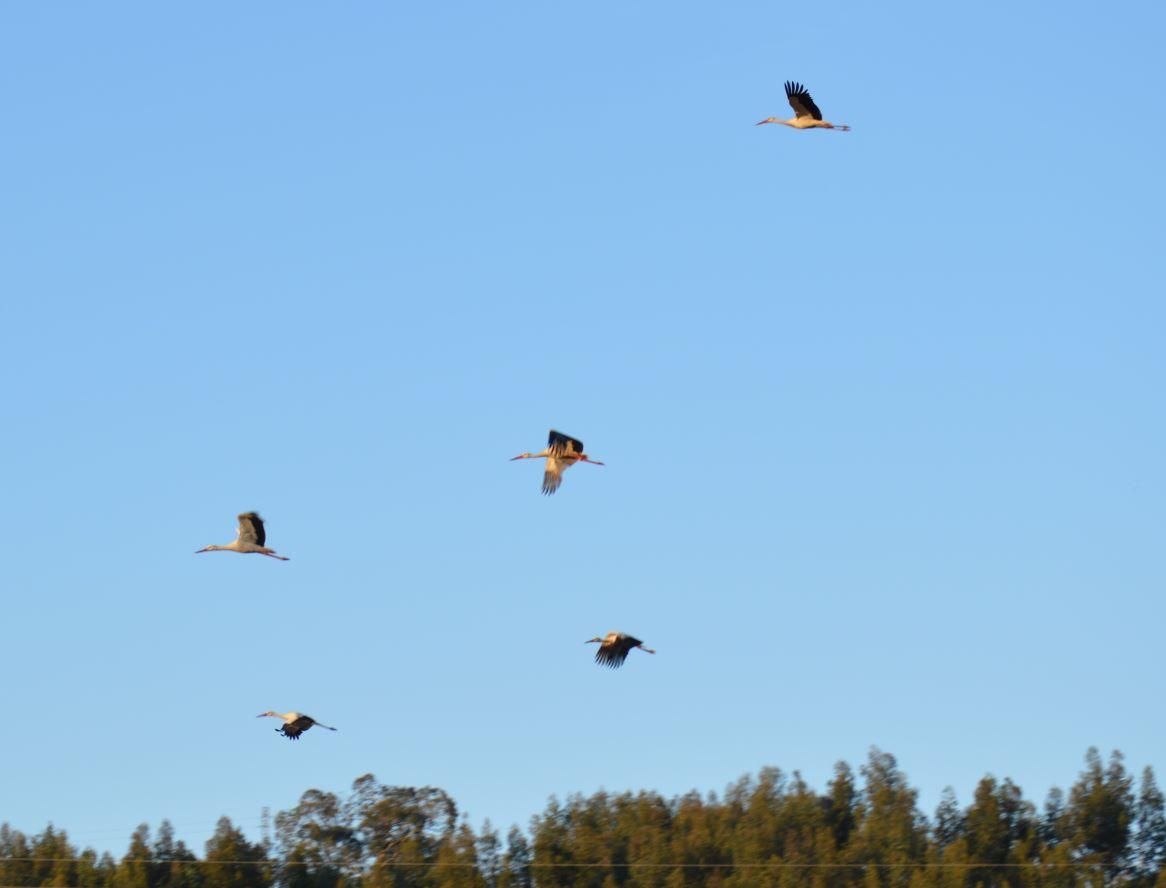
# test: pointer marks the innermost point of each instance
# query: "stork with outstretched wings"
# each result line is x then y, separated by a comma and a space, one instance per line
561, 453
806, 113
294, 723
615, 647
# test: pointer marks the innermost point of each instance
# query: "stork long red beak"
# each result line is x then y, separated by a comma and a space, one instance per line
766, 120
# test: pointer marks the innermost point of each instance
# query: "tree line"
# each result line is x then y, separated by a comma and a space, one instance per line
766, 831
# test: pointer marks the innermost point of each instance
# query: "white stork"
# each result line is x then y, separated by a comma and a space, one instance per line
806, 113
562, 452
294, 723
250, 538
614, 648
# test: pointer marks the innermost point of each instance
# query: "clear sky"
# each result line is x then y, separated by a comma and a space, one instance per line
882, 411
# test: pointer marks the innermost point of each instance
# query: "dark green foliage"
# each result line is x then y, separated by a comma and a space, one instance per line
489, 855
1052, 826
49, 859
318, 842
768, 831
516, 864
891, 834
233, 862
1149, 849
134, 869
841, 803
1000, 829
405, 831
1101, 812
949, 820
171, 864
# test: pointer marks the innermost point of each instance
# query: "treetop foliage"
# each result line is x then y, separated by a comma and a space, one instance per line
771, 830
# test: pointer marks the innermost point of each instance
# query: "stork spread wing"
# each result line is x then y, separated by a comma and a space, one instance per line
553, 476
251, 529
612, 655
292, 732
557, 442
800, 101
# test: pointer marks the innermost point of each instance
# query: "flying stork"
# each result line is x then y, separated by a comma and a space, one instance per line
294, 723
562, 452
251, 537
807, 115
614, 648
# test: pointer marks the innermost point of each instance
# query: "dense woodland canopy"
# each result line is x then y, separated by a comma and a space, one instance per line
768, 830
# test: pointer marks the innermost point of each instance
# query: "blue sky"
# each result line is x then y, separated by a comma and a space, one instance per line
881, 411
